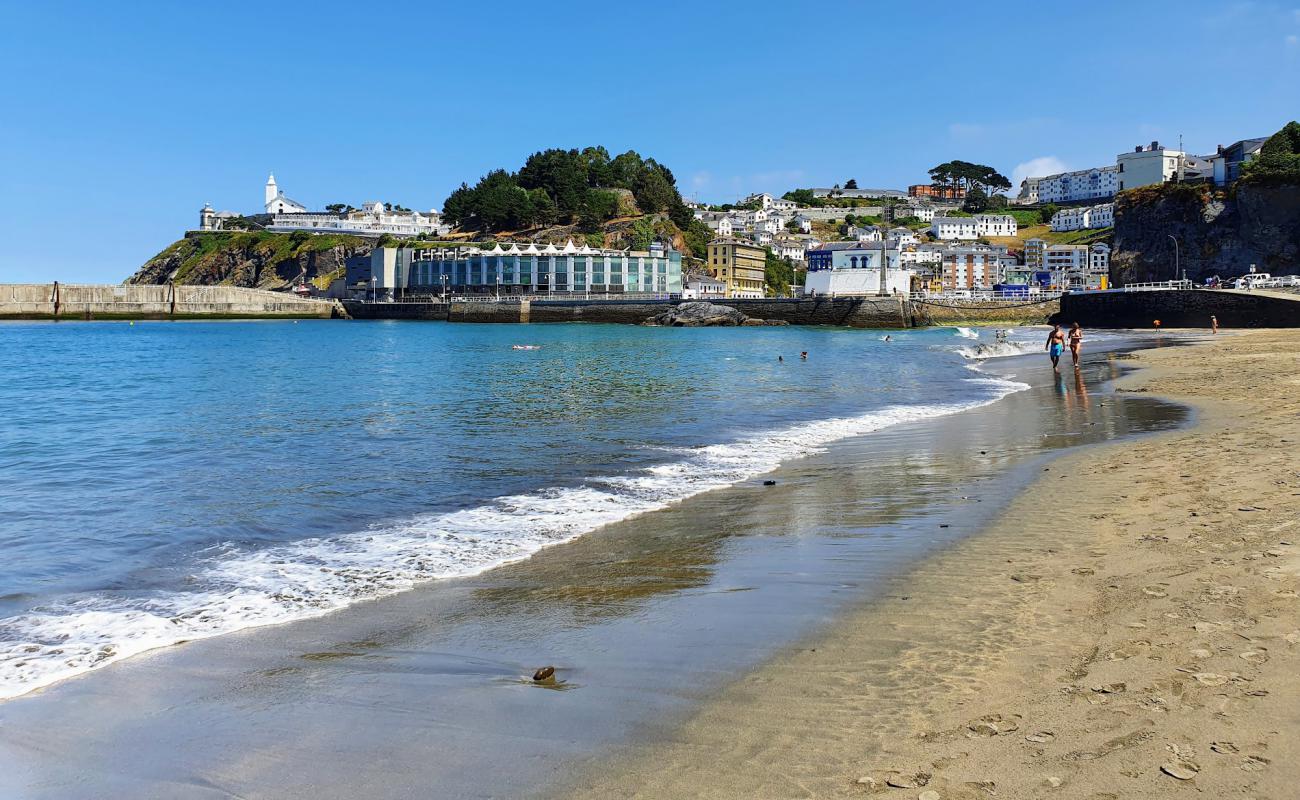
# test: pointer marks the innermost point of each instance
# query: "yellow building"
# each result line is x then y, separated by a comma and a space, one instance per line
740, 265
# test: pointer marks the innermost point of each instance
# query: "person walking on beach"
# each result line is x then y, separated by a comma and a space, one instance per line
1076, 342
1055, 345
1214, 324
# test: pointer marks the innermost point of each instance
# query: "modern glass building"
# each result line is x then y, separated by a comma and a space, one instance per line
528, 270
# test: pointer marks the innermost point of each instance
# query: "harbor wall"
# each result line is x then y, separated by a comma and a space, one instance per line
93, 301
859, 312
1189, 308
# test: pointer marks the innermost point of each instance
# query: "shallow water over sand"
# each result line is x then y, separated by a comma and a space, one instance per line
641, 619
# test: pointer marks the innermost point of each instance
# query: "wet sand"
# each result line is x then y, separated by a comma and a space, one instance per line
426, 693
1128, 628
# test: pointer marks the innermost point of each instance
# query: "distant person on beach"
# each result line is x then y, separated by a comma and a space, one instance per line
1055, 345
1076, 342
1214, 324
780, 359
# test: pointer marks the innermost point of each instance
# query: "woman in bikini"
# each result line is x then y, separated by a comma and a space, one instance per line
1076, 342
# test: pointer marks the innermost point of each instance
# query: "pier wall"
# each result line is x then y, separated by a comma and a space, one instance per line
1190, 308
91, 301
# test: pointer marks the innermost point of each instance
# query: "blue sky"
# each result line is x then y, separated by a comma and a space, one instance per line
118, 121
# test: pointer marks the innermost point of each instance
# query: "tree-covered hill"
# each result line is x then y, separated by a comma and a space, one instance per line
583, 188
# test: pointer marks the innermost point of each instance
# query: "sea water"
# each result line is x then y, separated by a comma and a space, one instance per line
164, 482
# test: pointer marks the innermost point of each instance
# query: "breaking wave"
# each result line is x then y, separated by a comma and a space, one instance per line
239, 588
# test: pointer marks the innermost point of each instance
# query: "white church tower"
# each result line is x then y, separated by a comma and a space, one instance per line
272, 191
277, 203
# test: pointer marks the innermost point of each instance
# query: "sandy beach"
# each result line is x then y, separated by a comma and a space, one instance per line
1128, 628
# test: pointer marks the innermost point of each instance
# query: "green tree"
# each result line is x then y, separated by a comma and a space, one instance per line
542, 207
850, 184
600, 206
1278, 159
778, 274
803, 197
977, 201
653, 191
1045, 213
642, 234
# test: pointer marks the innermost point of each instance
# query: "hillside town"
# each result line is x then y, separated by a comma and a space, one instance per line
962, 234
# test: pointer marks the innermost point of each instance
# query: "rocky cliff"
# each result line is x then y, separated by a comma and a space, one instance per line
1260, 225
255, 259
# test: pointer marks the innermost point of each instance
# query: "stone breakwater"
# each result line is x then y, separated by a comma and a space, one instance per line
86, 301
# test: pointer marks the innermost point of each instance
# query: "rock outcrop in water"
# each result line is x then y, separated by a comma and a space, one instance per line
703, 314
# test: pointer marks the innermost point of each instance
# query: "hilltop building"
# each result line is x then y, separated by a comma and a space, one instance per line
1069, 187
936, 192
1147, 166
1227, 162
277, 202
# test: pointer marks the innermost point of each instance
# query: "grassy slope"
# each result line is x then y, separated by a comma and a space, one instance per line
196, 250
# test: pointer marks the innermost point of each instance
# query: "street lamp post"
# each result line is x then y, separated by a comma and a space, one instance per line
1176, 259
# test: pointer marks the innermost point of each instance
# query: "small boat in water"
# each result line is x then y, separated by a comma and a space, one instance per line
525, 347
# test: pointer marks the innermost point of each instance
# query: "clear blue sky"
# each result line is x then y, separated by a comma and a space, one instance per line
119, 120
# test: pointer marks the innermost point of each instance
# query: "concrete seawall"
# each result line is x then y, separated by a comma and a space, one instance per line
1180, 309
858, 312
86, 301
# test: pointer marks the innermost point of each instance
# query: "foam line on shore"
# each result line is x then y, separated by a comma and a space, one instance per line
241, 588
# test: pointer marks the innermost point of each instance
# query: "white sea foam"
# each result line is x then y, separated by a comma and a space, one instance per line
998, 349
966, 333
242, 588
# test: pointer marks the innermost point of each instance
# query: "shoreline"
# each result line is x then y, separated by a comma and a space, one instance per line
645, 621
1145, 646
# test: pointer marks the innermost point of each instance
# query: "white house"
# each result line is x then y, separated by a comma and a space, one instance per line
1079, 218
902, 237
804, 221
996, 225
922, 211
700, 288
760, 236
1146, 166
784, 247
1227, 162
954, 228
868, 233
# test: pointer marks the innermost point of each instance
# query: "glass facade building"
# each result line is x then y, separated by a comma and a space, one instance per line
533, 270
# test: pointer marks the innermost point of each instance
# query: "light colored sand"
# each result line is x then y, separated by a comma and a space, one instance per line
1135, 609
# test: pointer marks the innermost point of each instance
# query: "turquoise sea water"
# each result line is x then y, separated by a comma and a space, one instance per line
163, 482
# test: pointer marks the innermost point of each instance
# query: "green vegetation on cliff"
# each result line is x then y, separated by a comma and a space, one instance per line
1278, 160
255, 259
